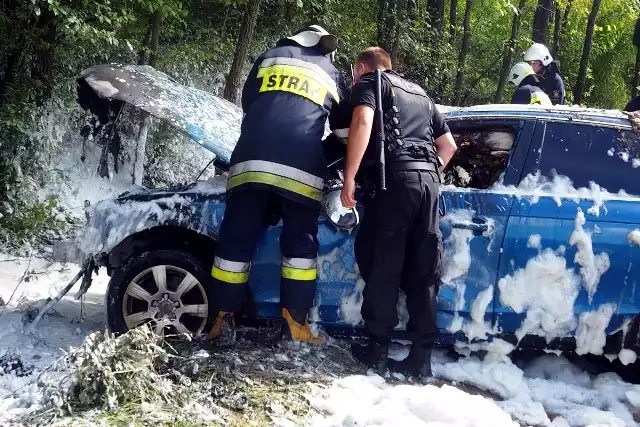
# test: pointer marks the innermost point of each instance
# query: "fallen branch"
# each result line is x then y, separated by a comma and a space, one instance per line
21, 279
58, 297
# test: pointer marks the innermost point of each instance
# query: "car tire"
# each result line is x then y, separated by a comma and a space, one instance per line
122, 297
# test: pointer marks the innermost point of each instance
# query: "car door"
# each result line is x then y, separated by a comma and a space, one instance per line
336, 278
567, 266
490, 157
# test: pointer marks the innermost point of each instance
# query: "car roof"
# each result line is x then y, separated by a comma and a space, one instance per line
591, 116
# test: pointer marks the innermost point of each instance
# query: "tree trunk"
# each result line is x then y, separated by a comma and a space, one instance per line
142, 54
563, 27
541, 20
42, 68
156, 24
565, 18
636, 79
557, 26
242, 49
382, 8
578, 91
141, 147
453, 10
400, 22
141, 117
463, 52
508, 51
411, 10
436, 13
441, 9
391, 20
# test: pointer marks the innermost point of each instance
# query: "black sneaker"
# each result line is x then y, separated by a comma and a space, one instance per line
373, 355
417, 364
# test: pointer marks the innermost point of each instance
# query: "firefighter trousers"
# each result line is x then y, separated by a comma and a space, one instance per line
247, 215
399, 245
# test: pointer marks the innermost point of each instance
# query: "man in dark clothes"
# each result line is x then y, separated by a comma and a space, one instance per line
633, 105
540, 59
399, 241
528, 91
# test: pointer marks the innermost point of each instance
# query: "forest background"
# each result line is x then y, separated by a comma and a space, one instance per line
460, 51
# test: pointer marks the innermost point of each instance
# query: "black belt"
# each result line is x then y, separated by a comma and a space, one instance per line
412, 166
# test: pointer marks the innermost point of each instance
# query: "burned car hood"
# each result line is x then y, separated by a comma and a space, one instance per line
211, 121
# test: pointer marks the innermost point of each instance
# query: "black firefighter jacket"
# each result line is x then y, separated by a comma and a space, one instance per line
287, 98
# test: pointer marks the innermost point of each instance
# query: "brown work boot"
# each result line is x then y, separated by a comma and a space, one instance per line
223, 330
297, 327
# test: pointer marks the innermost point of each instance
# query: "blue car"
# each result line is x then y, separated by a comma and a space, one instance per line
539, 222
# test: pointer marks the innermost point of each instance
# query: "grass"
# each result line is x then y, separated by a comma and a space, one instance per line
137, 379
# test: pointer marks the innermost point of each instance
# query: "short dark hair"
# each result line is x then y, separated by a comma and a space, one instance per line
374, 57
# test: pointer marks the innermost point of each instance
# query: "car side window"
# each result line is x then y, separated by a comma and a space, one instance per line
584, 153
482, 156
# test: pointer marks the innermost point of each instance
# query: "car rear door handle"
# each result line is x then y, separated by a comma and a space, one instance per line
476, 225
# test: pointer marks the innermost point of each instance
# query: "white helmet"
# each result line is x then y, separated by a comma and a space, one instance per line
342, 218
315, 35
538, 52
519, 72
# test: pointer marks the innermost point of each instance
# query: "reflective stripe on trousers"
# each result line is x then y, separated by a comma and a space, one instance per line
299, 268
230, 271
278, 175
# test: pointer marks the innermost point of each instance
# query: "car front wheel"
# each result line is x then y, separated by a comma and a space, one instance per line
169, 289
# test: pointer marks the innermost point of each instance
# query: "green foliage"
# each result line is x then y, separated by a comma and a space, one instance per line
47, 42
129, 373
25, 224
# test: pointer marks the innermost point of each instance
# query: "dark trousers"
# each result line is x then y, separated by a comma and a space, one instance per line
399, 245
247, 214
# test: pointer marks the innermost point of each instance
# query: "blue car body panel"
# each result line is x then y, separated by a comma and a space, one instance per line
553, 218
555, 224
499, 223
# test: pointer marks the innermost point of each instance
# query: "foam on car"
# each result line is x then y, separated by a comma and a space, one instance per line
592, 266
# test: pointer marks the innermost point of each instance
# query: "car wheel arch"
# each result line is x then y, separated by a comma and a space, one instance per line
162, 237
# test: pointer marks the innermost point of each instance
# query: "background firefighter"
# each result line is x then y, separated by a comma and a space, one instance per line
540, 59
528, 86
277, 171
399, 242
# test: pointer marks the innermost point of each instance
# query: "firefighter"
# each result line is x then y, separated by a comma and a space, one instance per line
540, 59
399, 242
528, 82
276, 172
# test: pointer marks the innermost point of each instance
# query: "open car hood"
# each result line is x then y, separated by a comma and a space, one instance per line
211, 121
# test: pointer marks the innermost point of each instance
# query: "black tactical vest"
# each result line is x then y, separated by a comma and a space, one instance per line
408, 116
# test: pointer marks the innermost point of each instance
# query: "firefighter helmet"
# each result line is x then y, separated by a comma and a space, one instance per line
315, 35
519, 72
538, 52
